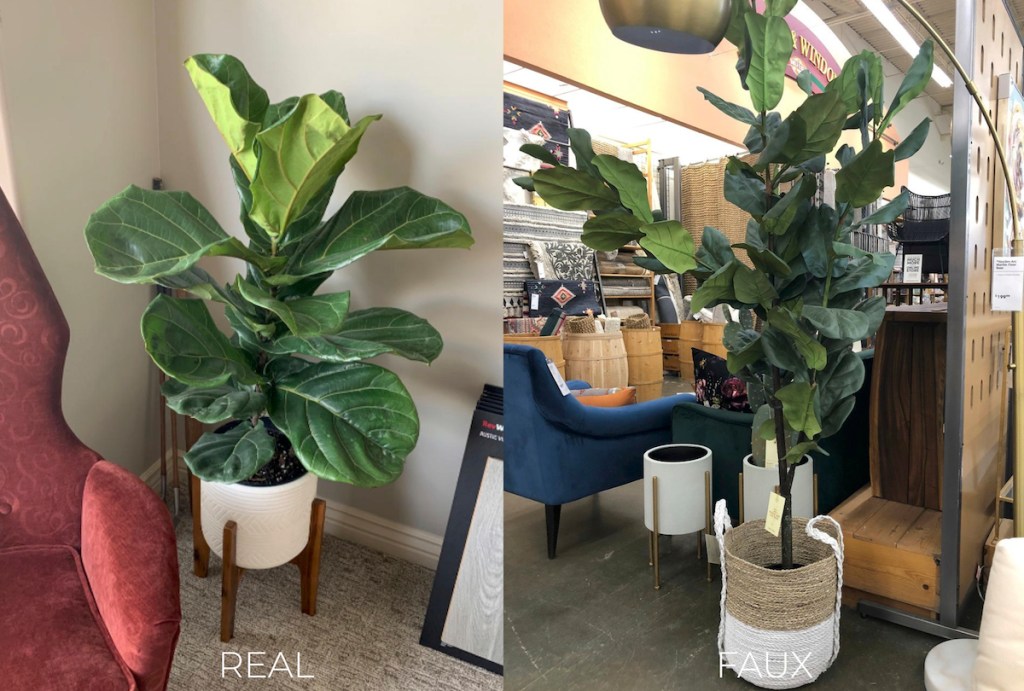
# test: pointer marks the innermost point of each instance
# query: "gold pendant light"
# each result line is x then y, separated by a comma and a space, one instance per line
671, 26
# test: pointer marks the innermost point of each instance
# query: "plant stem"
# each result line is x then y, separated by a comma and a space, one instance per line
785, 481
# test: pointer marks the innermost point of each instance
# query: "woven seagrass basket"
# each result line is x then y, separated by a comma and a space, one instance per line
780, 629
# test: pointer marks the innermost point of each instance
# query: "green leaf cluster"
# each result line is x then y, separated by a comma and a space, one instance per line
806, 284
296, 356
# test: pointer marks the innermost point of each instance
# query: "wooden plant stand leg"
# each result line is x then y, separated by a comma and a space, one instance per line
308, 559
200, 549
230, 577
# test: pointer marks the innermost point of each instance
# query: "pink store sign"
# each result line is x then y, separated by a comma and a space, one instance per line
809, 54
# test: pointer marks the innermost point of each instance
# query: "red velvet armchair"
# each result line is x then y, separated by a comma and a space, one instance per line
88, 566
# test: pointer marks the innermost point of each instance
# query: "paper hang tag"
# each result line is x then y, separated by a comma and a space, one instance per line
771, 454
773, 521
912, 268
1007, 284
534, 301
711, 543
557, 376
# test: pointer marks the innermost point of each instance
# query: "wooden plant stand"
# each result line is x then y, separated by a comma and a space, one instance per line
308, 561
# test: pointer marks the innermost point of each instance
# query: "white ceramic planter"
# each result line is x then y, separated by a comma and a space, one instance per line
680, 471
273, 522
759, 482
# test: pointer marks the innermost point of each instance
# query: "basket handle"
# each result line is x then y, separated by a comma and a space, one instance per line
836, 543
723, 524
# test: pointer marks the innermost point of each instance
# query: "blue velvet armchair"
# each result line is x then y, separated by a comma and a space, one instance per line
563, 450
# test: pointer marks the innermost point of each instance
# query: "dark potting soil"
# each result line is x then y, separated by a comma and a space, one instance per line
283, 467
778, 567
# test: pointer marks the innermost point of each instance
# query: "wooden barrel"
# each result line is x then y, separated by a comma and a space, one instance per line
551, 346
599, 359
712, 343
643, 360
691, 335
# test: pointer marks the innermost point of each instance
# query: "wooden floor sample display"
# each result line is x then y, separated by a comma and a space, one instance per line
892, 552
475, 622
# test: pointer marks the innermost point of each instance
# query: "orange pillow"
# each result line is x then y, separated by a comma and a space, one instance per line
606, 398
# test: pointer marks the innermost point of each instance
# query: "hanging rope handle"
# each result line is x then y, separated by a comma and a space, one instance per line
836, 543
723, 524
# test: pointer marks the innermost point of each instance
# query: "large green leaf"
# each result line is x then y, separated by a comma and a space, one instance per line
734, 111
140, 235
715, 251
840, 380
837, 323
914, 82
184, 342
611, 230
753, 287
863, 179
823, 115
629, 181
736, 32
214, 404
798, 408
583, 148
298, 156
744, 188
314, 315
231, 456
353, 423
670, 243
889, 212
390, 219
781, 216
809, 348
541, 154
236, 103
914, 141
717, 288
569, 189
779, 8
772, 45
402, 332
779, 351
864, 272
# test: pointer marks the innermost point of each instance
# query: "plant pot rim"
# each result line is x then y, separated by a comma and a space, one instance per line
748, 460
262, 488
757, 527
648, 452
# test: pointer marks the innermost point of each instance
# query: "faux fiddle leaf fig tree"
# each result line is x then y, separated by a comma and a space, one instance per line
808, 282
296, 355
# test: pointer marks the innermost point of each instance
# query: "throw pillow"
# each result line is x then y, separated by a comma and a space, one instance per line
564, 260
715, 386
606, 398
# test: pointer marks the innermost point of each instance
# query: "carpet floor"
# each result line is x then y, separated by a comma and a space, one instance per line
365, 634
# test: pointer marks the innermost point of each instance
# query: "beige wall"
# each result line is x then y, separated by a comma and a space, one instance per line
79, 83
436, 77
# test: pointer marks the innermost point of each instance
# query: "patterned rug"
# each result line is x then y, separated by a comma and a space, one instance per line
365, 634
523, 223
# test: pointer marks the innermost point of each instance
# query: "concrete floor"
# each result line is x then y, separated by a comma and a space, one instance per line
591, 619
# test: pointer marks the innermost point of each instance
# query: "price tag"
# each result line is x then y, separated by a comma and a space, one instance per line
771, 454
1007, 284
773, 521
912, 268
534, 302
711, 544
557, 376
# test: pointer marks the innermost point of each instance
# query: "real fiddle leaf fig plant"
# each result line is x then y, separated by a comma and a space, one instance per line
806, 281
296, 356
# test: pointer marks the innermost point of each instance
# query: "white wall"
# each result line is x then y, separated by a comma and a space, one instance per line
436, 76
79, 87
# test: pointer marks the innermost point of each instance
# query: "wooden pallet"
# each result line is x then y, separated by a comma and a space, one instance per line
892, 552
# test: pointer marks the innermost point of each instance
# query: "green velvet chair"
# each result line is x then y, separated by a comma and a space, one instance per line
727, 434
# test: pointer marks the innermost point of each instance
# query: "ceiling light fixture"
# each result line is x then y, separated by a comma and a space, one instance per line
671, 26
899, 32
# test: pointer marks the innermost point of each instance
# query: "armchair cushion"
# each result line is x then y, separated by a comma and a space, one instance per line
129, 555
51, 634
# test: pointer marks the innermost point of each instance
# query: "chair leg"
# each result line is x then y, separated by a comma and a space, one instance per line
308, 559
552, 513
200, 549
230, 577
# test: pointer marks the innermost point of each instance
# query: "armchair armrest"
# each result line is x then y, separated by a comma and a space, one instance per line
130, 558
617, 422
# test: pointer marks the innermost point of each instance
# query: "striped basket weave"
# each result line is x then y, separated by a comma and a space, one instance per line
779, 629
